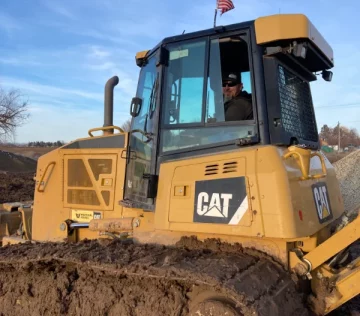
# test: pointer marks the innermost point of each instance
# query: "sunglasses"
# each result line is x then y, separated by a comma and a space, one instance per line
229, 84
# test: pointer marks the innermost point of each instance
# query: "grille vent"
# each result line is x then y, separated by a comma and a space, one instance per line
230, 167
227, 167
211, 169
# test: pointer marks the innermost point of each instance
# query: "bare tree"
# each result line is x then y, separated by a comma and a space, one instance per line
126, 125
13, 112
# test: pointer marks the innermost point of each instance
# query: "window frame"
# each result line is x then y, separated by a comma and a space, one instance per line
245, 34
165, 76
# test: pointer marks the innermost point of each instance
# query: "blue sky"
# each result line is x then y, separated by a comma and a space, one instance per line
61, 52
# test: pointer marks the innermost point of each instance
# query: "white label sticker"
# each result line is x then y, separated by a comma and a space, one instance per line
179, 54
82, 216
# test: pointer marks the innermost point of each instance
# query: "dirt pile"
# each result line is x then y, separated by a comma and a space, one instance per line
16, 177
30, 152
114, 278
348, 172
10, 162
16, 187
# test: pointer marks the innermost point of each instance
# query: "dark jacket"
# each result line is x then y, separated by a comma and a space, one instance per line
239, 108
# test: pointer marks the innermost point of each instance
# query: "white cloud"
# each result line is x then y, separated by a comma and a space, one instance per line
42, 89
59, 9
102, 66
99, 52
63, 123
17, 61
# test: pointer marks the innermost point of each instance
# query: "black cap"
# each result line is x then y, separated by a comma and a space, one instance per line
231, 76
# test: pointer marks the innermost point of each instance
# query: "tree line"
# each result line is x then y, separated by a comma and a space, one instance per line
58, 143
348, 136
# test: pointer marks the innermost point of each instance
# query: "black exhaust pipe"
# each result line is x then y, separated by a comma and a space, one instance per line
109, 102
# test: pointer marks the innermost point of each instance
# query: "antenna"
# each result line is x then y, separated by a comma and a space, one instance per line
215, 15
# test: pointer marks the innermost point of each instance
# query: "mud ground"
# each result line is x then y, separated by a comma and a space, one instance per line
16, 187
73, 282
115, 278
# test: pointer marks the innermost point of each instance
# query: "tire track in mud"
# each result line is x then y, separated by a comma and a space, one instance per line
113, 278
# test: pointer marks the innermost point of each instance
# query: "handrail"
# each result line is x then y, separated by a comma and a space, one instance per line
43, 176
104, 128
323, 167
304, 165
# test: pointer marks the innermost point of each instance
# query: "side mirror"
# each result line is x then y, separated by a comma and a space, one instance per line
327, 75
135, 106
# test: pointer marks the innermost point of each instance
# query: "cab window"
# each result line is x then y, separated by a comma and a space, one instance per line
199, 112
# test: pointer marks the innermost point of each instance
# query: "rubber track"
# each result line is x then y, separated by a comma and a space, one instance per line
113, 278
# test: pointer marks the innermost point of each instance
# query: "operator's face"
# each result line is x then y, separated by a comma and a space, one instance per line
231, 89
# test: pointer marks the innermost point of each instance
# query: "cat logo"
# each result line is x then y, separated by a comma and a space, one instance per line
222, 201
322, 202
218, 206
97, 215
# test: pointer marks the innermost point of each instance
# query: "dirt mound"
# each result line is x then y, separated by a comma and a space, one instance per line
16, 187
115, 278
348, 172
31, 152
16, 177
10, 162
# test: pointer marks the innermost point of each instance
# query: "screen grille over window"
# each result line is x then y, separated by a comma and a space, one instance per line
100, 166
90, 181
77, 174
82, 197
297, 113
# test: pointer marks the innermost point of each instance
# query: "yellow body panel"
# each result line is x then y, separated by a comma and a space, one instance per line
290, 27
53, 206
276, 195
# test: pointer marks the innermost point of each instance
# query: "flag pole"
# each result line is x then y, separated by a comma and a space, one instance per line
215, 13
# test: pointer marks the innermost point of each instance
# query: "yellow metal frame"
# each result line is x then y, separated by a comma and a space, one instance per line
344, 281
337, 242
347, 284
26, 215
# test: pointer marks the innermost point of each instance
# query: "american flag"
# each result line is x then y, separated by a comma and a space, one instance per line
225, 5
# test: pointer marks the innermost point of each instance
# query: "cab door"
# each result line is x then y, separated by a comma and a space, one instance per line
141, 180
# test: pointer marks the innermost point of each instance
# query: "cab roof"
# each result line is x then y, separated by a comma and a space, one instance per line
270, 31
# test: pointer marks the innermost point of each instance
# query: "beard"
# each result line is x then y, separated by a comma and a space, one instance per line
227, 98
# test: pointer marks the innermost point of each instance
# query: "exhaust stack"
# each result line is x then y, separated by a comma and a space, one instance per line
109, 103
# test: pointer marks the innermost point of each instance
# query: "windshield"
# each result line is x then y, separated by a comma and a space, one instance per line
207, 94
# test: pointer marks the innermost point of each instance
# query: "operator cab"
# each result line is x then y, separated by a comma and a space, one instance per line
193, 109
180, 108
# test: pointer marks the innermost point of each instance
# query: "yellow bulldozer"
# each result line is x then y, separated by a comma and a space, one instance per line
193, 211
